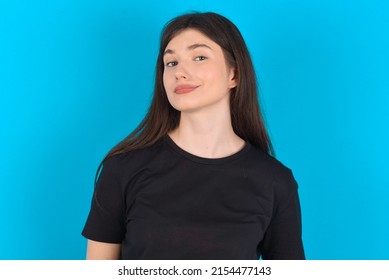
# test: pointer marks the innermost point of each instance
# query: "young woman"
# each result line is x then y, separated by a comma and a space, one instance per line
197, 179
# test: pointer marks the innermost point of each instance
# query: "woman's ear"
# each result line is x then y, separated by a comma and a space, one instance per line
233, 78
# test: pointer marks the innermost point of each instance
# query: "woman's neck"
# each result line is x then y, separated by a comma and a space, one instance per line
207, 135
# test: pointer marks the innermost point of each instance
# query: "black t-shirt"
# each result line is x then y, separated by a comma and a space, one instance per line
162, 202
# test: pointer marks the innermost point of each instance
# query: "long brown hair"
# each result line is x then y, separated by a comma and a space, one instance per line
246, 117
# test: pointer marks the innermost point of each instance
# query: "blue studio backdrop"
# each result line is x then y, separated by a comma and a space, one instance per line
77, 76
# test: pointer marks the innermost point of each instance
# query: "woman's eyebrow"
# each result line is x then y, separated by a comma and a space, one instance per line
191, 47
195, 46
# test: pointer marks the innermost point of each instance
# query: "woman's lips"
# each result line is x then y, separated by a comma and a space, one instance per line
184, 89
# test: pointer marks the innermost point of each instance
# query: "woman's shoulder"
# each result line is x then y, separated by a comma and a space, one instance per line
265, 160
134, 158
275, 171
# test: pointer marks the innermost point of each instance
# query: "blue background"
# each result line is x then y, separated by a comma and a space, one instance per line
77, 76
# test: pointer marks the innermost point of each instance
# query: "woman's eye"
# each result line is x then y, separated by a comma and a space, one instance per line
200, 57
171, 63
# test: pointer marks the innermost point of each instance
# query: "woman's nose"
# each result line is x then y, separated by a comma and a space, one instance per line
181, 73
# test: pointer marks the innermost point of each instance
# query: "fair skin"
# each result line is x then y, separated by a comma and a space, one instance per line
197, 81
102, 251
193, 60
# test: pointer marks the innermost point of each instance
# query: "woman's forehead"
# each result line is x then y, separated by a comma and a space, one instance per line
188, 37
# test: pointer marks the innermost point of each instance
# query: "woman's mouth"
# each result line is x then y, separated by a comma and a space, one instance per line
184, 89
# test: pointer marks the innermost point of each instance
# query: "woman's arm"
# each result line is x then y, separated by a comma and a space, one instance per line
102, 251
282, 240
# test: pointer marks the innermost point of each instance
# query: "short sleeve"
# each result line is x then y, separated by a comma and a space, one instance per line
282, 240
105, 222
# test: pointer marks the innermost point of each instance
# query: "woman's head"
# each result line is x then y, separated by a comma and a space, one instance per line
245, 114
196, 75
162, 117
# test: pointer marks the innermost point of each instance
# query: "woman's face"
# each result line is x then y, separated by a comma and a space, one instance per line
196, 75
